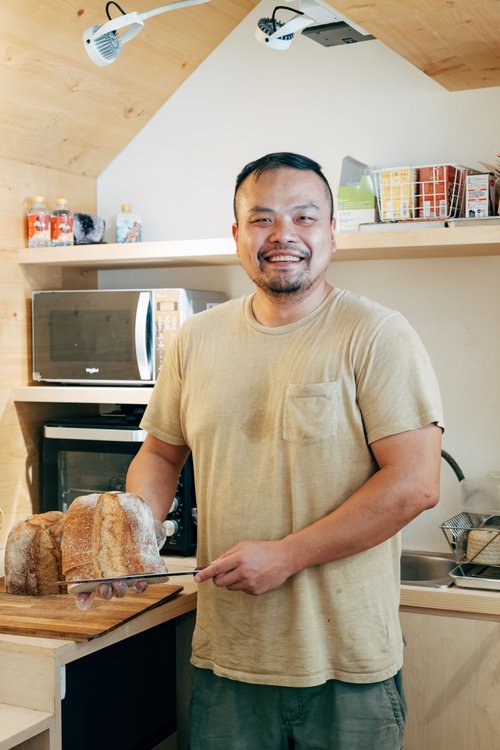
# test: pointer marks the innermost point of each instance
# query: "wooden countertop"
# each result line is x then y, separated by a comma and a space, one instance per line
65, 651
456, 601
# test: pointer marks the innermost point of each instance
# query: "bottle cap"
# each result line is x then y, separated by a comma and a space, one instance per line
62, 201
38, 198
126, 207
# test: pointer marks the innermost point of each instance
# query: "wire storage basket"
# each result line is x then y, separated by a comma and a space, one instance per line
432, 191
474, 539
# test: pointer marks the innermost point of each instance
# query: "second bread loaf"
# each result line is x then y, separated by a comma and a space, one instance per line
109, 534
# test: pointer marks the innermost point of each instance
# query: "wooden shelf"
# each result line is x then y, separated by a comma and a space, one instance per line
211, 252
18, 724
74, 394
441, 242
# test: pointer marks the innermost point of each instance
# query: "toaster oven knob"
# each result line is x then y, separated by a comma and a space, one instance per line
172, 527
174, 505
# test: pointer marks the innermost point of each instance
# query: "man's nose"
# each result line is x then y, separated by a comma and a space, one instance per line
283, 230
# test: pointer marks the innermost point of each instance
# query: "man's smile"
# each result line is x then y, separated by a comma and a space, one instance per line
283, 259
281, 256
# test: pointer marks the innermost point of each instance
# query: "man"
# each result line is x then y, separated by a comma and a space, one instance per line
314, 421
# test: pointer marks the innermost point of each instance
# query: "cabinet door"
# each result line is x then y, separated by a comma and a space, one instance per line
452, 683
122, 697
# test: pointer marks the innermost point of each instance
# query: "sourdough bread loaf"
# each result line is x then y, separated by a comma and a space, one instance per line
109, 534
33, 555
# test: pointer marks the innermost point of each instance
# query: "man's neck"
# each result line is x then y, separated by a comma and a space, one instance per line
273, 311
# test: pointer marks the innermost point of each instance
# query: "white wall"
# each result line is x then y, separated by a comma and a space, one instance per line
362, 100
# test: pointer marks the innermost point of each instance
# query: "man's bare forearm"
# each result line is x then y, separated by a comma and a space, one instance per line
153, 474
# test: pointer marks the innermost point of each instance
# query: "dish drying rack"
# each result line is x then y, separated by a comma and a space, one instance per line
418, 193
474, 539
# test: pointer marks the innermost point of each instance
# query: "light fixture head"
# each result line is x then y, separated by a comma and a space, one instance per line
105, 43
102, 49
278, 35
316, 14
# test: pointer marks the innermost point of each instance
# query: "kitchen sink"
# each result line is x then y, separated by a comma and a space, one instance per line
426, 568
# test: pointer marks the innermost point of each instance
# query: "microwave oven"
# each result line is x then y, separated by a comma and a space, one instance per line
109, 336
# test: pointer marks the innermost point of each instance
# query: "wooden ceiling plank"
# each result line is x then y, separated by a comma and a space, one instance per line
379, 10
58, 109
455, 42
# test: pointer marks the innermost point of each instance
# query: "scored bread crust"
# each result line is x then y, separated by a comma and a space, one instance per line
109, 534
33, 554
77, 560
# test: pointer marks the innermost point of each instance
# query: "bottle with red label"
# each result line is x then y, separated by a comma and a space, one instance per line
61, 224
38, 220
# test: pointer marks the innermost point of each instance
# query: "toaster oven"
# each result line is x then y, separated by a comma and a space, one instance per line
84, 455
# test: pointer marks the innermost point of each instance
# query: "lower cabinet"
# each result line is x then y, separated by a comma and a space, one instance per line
452, 682
122, 697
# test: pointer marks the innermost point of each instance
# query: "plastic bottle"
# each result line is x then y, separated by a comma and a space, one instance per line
38, 220
61, 224
128, 225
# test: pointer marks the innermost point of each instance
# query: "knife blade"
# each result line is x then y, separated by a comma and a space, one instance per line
130, 577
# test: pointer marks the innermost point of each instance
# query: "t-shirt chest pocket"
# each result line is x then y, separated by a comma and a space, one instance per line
310, 412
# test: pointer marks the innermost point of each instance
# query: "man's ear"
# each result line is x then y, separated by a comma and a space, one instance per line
234, 230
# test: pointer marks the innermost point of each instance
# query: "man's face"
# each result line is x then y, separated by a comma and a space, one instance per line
284, 235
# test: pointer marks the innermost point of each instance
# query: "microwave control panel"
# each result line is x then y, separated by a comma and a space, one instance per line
167, 320
171, 307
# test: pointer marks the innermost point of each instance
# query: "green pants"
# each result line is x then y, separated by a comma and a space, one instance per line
231, 715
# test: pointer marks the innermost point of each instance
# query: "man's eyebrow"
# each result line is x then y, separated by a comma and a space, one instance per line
302, 206
259, 210
298, 207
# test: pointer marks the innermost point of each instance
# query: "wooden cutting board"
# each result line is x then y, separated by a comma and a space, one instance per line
57, 616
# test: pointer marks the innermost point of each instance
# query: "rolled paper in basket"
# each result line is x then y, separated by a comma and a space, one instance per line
483, 546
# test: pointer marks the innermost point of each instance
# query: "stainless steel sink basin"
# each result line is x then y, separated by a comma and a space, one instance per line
426, 568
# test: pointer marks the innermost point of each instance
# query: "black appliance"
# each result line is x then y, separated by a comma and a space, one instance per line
124, 695
82, 455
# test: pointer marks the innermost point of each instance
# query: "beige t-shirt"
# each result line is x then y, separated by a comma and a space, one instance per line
279, 421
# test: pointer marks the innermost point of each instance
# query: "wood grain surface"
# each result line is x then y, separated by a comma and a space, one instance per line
61, 111
57, 616
454, 42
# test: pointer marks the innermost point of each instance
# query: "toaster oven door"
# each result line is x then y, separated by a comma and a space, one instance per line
103, 337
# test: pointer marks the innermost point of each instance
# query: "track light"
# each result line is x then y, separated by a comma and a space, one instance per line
278, 35
104, 43
326, 26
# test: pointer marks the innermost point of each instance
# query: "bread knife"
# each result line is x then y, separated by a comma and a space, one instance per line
130, 577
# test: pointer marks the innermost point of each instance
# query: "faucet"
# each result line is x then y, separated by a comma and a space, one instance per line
456, 468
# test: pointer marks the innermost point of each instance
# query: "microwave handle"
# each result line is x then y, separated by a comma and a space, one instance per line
142, 337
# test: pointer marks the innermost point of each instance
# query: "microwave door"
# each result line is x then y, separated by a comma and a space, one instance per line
95, 336
143, 337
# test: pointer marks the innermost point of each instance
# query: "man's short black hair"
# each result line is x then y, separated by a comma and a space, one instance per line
277, 161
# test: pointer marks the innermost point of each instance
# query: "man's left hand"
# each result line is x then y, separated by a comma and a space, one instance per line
252, 567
